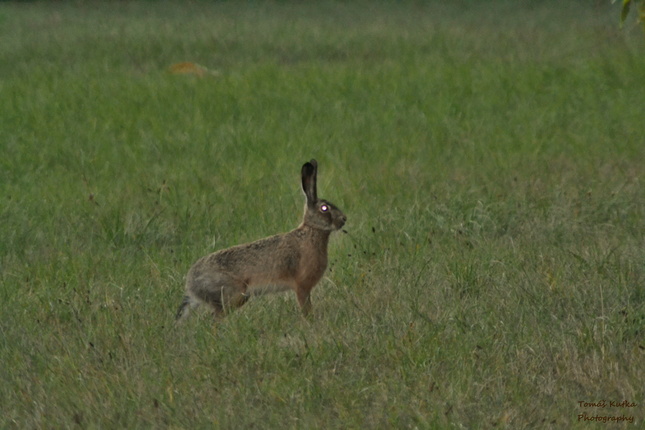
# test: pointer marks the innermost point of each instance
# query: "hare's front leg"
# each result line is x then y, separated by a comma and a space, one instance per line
304, 299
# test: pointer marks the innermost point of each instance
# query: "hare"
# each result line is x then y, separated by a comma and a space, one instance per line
295, 260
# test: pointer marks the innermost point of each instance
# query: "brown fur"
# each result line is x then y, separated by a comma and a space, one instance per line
295, 260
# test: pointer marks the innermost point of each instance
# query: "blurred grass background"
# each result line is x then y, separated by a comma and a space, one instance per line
489, 158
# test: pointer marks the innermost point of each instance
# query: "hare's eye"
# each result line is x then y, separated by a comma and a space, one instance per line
324, 208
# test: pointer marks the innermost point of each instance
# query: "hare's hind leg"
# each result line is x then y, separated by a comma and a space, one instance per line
220, 291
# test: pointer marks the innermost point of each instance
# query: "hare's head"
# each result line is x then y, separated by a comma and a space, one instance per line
319, 214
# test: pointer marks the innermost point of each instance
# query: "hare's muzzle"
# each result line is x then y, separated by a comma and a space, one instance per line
340, 221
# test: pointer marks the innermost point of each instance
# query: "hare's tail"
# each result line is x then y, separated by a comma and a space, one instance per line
186, 304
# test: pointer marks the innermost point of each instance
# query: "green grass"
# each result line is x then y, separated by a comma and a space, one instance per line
489, 156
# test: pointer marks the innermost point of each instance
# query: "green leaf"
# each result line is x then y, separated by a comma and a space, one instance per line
625, 11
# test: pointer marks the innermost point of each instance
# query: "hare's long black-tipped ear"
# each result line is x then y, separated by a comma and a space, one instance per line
309, 172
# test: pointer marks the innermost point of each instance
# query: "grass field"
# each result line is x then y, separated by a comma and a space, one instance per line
489, 157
